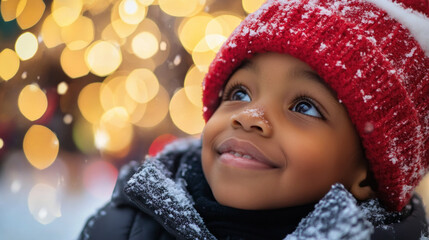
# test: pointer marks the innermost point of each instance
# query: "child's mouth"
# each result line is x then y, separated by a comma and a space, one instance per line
243, 154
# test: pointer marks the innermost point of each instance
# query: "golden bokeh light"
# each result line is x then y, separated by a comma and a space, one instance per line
192, 30
51, 32
103, 58
223, 25
26, 46
32, 102
62, 88
131, 12
43, 203
122, 28
181, 8
89, 102
1, 143
114, 94
31, 14
40, 146
65, 12
83, 136
148, 25
146, 2
155, 111
68, 119
73, 63
193, 86
109, 34
145, 45
206, 50
9, 64
251, 5
142, 85
96, 7
11, 9
115, 130
79, 34
185, 115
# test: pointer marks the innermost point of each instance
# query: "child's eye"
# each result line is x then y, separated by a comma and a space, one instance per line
237, 93
305, 106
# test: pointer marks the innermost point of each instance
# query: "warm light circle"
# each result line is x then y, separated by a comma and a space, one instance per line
26, 46
142, 85
193, 86
185, 115
32, 102
89, 102
144, 45
40, 146
103, 58
9, 62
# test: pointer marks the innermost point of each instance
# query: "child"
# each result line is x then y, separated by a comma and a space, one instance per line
317, 128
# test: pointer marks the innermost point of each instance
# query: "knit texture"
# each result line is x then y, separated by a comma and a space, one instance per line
374, 63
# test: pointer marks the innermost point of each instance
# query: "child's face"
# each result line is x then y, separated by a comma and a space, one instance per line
279, 137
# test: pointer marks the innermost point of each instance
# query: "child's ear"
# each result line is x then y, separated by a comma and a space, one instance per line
361, 187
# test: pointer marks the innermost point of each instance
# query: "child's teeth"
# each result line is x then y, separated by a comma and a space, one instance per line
237, 154
247, 156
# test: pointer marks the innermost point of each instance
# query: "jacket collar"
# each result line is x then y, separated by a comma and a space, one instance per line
155, 190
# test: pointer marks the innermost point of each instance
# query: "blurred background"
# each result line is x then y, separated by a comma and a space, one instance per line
89, 85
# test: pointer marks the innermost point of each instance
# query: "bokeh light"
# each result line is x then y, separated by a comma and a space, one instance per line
103, 58
32, 102
68, 119
223, 25
193, 86
145, 45
159, 143
1, 143
83, 136
115, 130
131, 12
181, 8
99, 179
31, 14
192, 30
89, 102
122, 28
251, 5
11, 9
9, 62
113, 93
205, 51
51, 32
40, 146
62, 88
185, 115
44, 203
142, 85
155, 111
65, 12
73, 63
79, 34
26, 46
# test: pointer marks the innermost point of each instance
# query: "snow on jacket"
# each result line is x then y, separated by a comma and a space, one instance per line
150, 201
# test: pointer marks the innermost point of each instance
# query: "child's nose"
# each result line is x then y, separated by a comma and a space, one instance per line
252, 119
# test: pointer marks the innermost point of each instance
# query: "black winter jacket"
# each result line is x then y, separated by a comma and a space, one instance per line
153, 201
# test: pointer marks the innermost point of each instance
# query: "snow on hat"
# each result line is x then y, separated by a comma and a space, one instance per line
373, 53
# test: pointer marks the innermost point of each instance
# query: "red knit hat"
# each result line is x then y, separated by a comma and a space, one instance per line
373, 53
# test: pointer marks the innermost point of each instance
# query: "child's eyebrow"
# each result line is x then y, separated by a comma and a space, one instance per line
298, 73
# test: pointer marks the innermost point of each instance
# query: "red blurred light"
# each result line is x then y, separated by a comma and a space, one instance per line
159, 143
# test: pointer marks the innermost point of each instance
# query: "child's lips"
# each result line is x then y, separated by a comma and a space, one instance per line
243, 154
